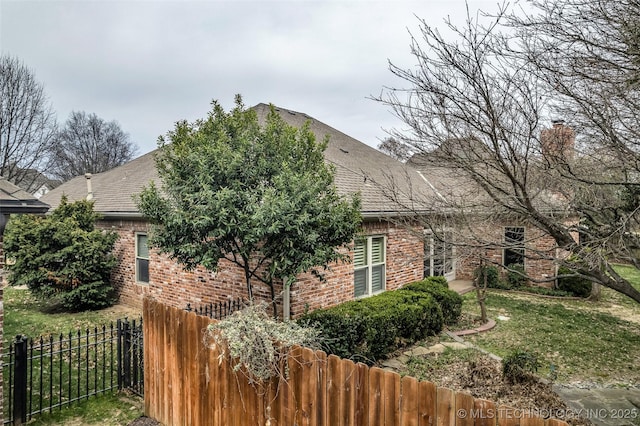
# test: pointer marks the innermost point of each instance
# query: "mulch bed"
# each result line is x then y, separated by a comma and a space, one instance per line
482, 378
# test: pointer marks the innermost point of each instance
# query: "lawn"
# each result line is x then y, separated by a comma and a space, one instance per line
25, 315
576, 340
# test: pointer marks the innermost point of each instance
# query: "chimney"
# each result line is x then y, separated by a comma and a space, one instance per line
89, 190
558, 143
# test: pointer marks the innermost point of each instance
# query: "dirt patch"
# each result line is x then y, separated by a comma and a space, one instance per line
144, 421
481, 376
122, 311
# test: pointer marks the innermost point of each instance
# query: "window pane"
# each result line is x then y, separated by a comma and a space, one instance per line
142, 270
377, 278
360, 282
514, 237
360, 253
143, 247
377, 250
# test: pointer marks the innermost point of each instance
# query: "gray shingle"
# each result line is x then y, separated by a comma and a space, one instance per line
359, 168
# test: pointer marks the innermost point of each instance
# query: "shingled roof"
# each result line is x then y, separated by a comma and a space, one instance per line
386, 185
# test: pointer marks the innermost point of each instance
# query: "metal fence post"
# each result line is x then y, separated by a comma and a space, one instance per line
119, 353
20, 381
124, 354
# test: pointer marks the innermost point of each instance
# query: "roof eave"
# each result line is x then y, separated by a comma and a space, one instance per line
22, 207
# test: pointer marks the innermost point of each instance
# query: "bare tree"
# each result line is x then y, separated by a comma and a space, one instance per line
88, 144
477, 106
27, 123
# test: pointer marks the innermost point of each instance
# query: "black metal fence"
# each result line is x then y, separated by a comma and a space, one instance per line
218, 310
49, 373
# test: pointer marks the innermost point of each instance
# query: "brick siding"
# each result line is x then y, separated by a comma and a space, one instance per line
170, 284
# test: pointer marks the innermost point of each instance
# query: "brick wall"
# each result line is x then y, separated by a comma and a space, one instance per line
170, 284
540, 250
404, 264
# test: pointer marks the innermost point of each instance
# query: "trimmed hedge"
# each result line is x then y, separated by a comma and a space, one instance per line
450, 302
369, 329
437, 280
575, 285
493, 277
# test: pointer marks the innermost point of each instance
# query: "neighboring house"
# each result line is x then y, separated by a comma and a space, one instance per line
35, 183
391, 252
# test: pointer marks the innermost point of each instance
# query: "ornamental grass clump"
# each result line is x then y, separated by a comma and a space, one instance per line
256, 343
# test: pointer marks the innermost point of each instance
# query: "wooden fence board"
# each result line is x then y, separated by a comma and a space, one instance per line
392, 398
532, 421
187, 384
464, 409
376, 389
285, 403
362, 395
506, 416
409, 402
202, 358
321, 388
485, 413
348, 408
427, 399
149, 378
335, 378
445, 406
167, 367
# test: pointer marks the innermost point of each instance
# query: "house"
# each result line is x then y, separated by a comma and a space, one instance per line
36, 183
480, 226
394, 248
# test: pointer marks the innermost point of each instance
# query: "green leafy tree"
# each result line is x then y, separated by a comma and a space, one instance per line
62, 257
259, 196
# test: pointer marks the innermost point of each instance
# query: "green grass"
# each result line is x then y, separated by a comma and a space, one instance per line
24, 314
108, 410
574, 338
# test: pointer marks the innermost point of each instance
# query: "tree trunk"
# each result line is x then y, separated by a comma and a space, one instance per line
481, 293
247, 277
274, 304
596, 292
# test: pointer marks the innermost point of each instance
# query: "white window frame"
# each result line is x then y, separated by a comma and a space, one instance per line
449, 268
369, 265
137, 257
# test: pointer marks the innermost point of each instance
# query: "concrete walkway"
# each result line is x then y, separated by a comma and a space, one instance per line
603, 406
461, 286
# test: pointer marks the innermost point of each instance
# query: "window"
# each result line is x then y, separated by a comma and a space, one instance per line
142, 258
369, 266
514, 246
438, 255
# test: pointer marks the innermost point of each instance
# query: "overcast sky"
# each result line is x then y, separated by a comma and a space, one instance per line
148, 64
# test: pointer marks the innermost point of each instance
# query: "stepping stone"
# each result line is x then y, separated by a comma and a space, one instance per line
437, 348
393, 363
455, 345
418, 351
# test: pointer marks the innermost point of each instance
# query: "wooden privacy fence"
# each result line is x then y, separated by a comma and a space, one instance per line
186, 383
